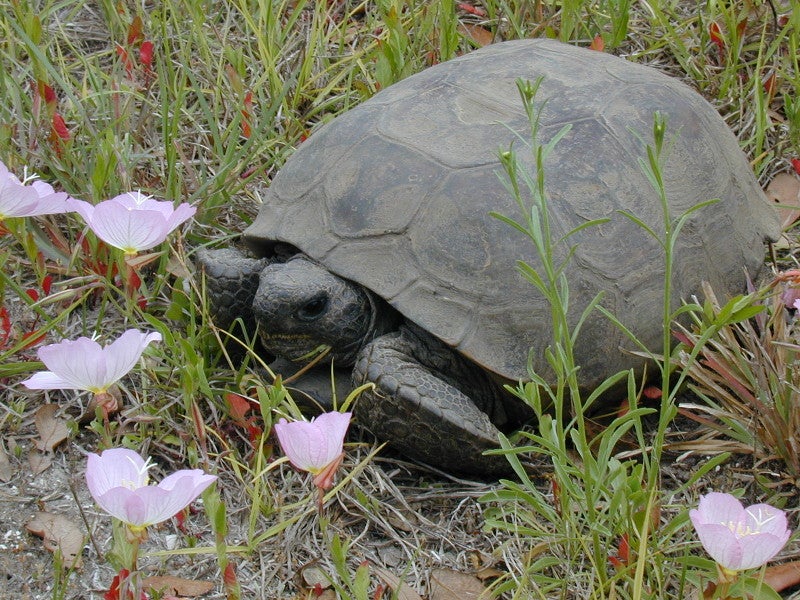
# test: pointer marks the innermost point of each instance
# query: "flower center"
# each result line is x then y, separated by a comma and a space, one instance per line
143, 478
742, 529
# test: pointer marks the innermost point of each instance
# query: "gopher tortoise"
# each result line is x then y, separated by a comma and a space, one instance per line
375, 240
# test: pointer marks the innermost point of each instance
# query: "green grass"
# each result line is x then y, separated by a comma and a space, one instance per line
232, 89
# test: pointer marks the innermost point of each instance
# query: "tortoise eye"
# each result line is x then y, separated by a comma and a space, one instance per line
313, 309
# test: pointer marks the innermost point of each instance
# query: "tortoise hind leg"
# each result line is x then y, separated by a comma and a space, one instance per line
420, 407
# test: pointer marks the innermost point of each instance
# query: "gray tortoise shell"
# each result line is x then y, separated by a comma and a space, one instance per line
396, 193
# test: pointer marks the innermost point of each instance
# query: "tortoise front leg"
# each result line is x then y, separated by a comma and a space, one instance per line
420, 407
231, 284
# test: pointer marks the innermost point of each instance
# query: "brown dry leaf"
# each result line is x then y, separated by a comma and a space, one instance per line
781, 577
453, 585
58, 533
784, 189
52, 429
177, 586
479, 35
39, 462
6, 472
314, 576
490, 573
402, 591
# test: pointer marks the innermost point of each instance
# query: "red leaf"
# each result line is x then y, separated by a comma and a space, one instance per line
796, 164
134, 281
60, 127
46, 92
146, 54
741, 26
126, 60
5, 326
597, 44
47, 283
239, 406
683, 338
180, 521
32, 294
135, 31
652, 391
229, 576
113, 591
473, 10
770, 85
31, 338
625, 549
716, 35
247, 107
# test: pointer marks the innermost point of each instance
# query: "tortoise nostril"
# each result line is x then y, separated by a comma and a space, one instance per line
313, 309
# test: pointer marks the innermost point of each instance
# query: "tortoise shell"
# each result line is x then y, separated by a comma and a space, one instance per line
396, 194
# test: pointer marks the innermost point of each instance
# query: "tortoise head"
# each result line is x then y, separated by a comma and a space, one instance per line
303, 309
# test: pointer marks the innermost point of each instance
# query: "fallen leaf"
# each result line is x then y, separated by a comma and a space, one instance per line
452, 585
784, 189
478, 34
313, 576
177, 586
6, 472
402, 591
490, 573
781, 577
39, 462
58, 533
52, 429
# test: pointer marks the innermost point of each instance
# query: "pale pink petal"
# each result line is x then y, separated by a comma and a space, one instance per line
83, 208
721, 544
334, 425
122, 355
152, 504
739, 538
196, 480
126, 505
47, 380
44, 189
760, 548
17, 200
79, 362
183, 213
132, 200
765, 518
115, 467
127, 229
27, 200
312, 446
174, 493
83, 365
716, 507
297, 442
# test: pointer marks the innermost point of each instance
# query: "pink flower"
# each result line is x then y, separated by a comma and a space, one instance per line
739, 538
118, 482
28, 198
132, 221
312, 446
83, 364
